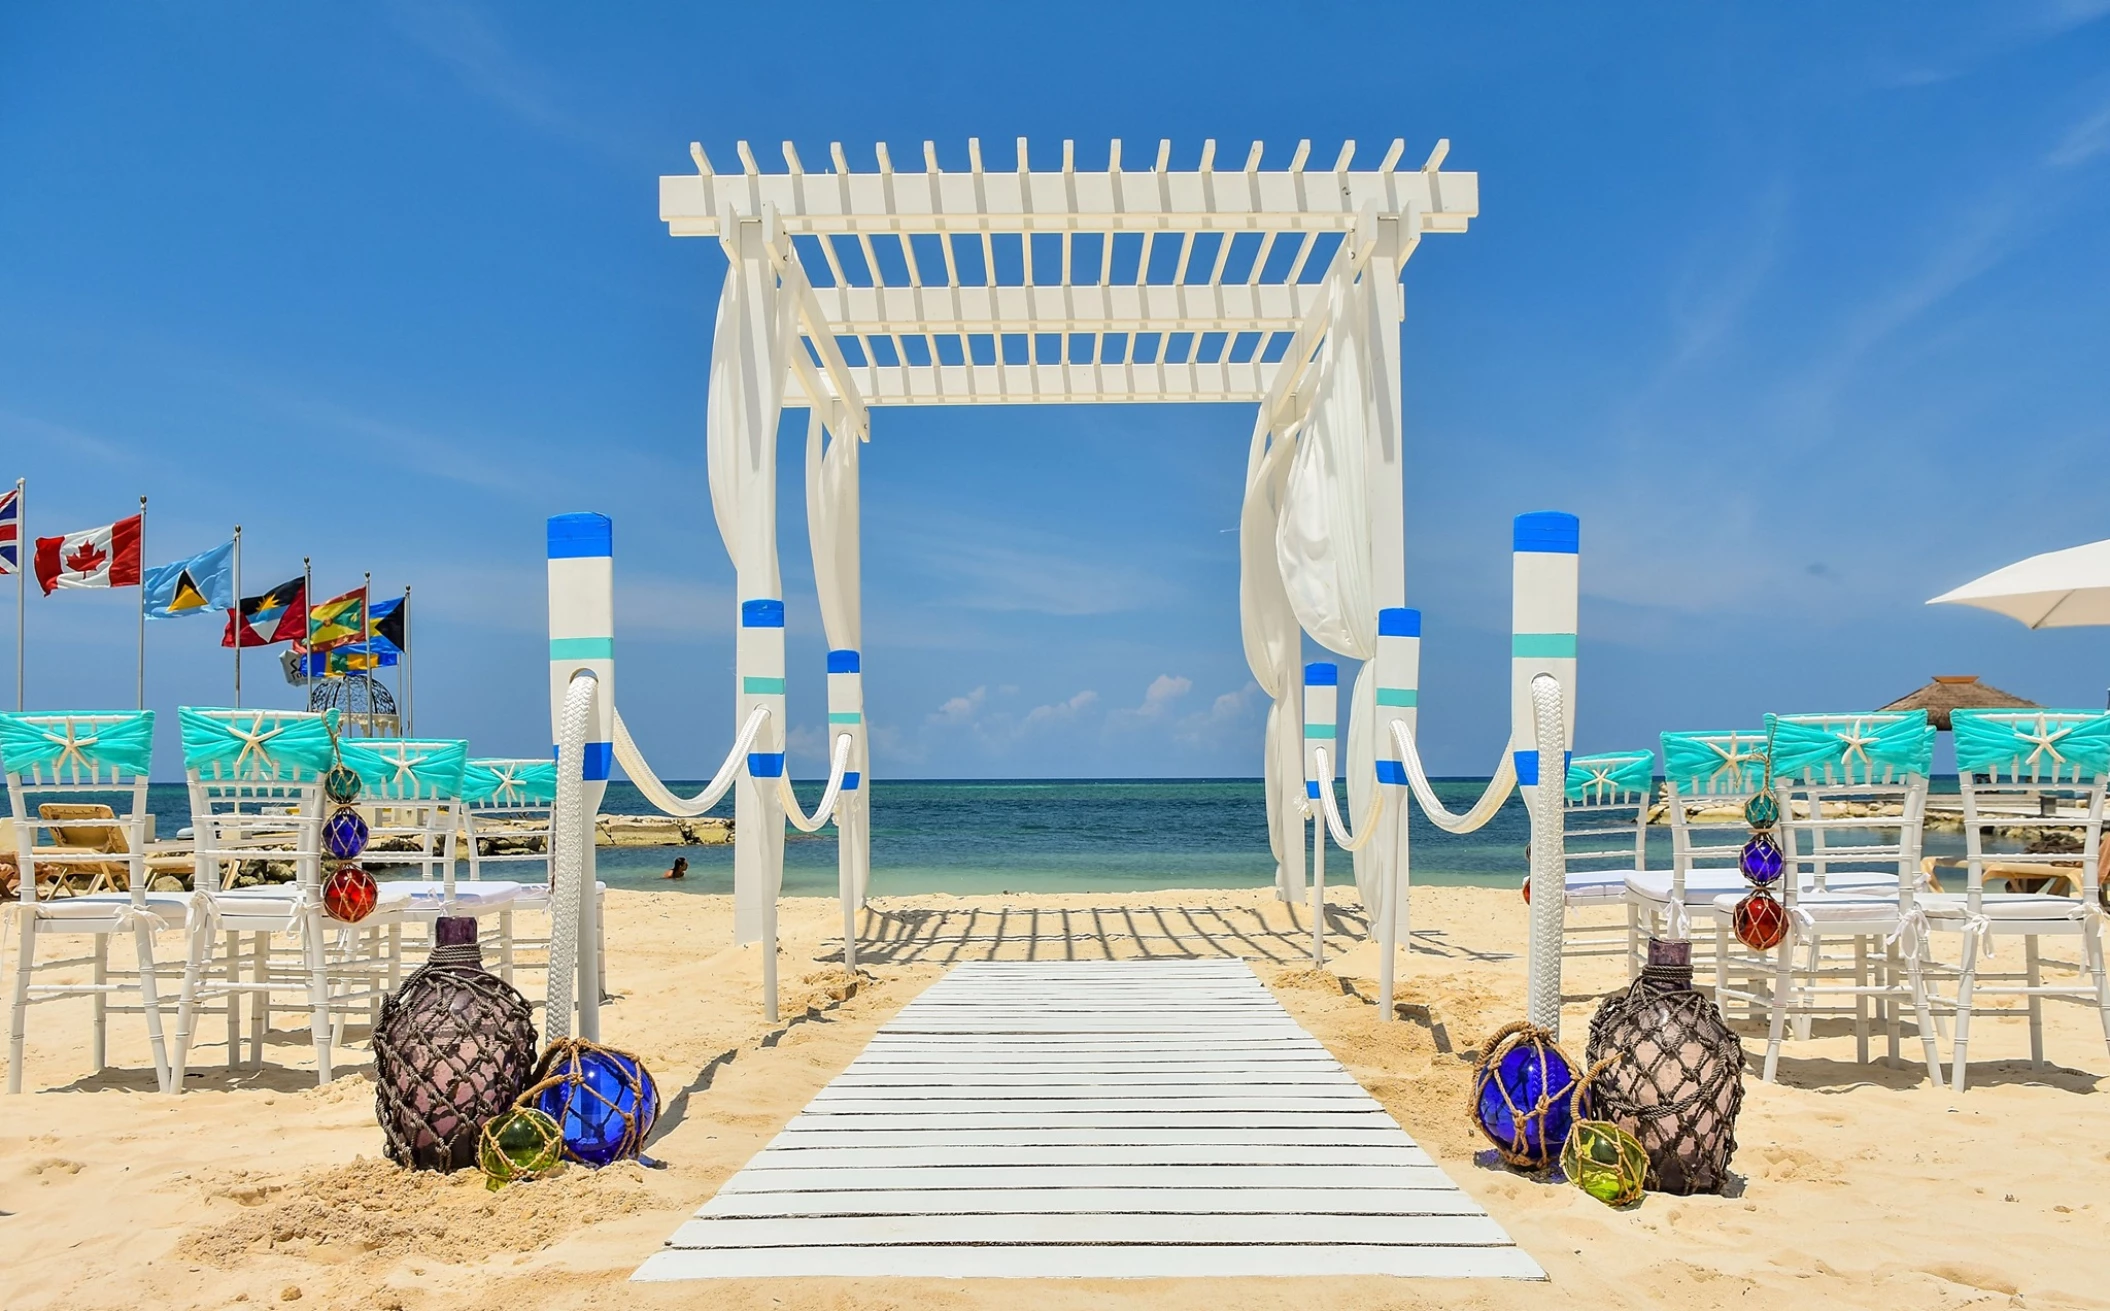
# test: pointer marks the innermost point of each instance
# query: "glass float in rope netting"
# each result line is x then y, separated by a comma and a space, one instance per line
522, 1143
1606, 1162
604, 1100
344, 834
341, 785
1760, 861
1762, 811
1523, 1095
1760, 920
349, 894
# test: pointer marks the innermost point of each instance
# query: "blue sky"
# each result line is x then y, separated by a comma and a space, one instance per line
1801, 308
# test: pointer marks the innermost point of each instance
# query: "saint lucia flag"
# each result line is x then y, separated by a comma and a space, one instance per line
203, 583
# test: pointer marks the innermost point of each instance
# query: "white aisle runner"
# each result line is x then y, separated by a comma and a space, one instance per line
1093, 1119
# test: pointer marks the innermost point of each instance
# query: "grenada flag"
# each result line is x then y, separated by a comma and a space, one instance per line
98, 557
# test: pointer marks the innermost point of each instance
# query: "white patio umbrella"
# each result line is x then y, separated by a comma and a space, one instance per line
2058, 589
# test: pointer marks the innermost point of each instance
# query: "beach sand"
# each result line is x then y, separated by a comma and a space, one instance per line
1862, 1187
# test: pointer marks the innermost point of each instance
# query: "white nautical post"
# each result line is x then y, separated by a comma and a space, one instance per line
846, 715
1542, 694
1398, 697
582, 640
758, 814
1322, 711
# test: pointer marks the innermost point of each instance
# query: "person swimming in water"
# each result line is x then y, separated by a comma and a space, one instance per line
680, 870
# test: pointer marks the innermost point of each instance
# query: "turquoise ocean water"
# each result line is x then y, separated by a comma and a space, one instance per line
1064, 835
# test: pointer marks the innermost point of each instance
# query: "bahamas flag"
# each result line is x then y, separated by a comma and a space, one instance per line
203, 583
339, 620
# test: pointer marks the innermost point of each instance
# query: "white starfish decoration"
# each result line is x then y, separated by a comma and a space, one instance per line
1734, 758
1855, 742
253, 739
2044, 739
71, 747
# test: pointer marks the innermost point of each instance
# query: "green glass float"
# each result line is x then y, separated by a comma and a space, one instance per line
523, 1143
341, 784
1606, 1162
1762, 811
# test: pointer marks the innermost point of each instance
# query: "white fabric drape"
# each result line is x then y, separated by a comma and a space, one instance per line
832, 525
1273, 647
750, 351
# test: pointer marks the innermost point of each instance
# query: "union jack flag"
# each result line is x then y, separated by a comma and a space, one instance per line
10, 530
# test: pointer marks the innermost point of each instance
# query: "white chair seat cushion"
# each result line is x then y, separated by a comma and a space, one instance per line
104, 909
1949, 909
480, 897
537, 894
1596, 886
1701, 885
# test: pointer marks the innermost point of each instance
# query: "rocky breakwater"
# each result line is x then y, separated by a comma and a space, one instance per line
661, 831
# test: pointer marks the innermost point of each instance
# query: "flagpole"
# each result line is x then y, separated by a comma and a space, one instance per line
142, 603
21, 573
307, 627
366, 635
238, 616
407, 675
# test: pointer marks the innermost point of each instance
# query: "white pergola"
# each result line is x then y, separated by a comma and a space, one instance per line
1276, 288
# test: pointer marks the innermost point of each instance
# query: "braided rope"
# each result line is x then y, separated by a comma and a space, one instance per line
658, 793
826, 808
1498, 787
1549, 860
569, 835
1341, 837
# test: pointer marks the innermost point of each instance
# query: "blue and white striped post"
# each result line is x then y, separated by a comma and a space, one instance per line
1322, 714
1398, 697
582, 639
1542, 642
758, 809
846, 714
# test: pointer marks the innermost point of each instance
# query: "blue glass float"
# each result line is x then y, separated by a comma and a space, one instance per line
344, 835
604, 1100
1523, 1096
1760, 860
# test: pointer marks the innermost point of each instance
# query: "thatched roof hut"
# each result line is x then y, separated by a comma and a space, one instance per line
1958, 692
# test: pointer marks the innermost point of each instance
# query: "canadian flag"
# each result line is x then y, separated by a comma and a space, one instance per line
97, 557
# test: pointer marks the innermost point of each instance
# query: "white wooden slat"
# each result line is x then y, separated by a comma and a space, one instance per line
1108, 1120
1171, 1077
1251, 1102
1061, 1262
1092, 1228
1089, 1176
824, 1134
792, 1156
1444, 1200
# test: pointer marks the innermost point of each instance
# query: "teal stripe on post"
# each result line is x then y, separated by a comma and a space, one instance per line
844, 717
762, 686
582, 648
1543, 646
1319, 731
1397, 696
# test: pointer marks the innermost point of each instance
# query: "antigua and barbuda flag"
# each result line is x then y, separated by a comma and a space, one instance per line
10, 530
279, 615
196, 586
98, 557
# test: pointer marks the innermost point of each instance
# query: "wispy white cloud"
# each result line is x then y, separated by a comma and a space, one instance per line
1158, 700
1058, 712
470, 43
2084, 140
961, 709
1232, 711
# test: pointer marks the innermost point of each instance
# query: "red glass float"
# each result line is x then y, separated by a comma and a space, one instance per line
1761, 921
349, 893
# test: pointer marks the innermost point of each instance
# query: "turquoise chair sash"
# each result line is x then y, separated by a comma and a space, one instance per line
408, 769
2044, 745
124, 743
510, 782
1727, 762
257, 746
1611, 773
1852, 748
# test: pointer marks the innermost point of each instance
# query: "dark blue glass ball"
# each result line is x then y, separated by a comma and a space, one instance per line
1527, 1077
1760, 860
606, 1105
344, 835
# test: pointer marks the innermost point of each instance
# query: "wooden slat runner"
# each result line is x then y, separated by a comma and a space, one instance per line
1112, 1119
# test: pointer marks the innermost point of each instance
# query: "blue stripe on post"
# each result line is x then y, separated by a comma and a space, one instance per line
1392, 772
1322, 674
765, 613
843, 662
595, 762
765, 764
1399, 622
1311, 788
851, 778
1528, 767
1550, 531
576, 536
